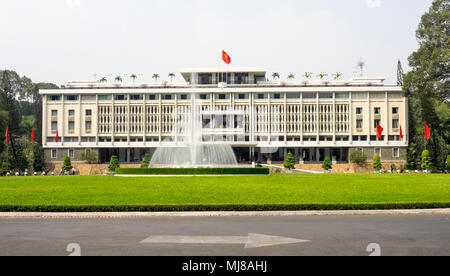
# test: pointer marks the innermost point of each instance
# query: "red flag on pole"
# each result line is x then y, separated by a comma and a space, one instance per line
427, 132
32, 135
226, 58
56, 138
379, 131
7, 136
401, 132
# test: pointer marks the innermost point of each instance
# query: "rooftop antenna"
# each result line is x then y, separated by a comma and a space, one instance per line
399, 73
361, 65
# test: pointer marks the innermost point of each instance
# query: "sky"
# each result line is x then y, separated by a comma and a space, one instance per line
61, 40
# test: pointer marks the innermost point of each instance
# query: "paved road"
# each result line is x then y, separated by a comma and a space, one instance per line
328, 235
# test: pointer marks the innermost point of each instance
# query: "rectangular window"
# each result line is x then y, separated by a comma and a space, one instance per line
395, 123
71, 153
167, 97
88, 112
396, 153
88, 98
293, 95
359, 111
54, 113
378, 151
54, 98
376, 123
88, 125
136, 97
261, 96
277, 96
309, 95
395, 110
54, 126
377, 110
71, 113
241, 96
325, 95
71, 126
359, 124
104, 97
120, 97
342, 95
183, 97
152, 97
54, 154
222, 97
204, 96
71, 98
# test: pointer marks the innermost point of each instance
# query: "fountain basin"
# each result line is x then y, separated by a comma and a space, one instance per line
192, 171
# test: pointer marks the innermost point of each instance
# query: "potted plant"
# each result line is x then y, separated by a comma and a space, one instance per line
307, 76
426, 161
269, 159
327, 165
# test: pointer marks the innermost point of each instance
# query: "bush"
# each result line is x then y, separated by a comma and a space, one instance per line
24, 164
3, 168
448, 163
327, 165
114, 163
289, 163
358, 157
67, 165
376, 164
38, 158
90, 156
145, 161
193, 171
426, 160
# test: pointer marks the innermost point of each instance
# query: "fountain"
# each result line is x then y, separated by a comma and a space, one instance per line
189, 150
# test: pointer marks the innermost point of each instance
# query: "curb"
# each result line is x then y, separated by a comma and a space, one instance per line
113, 215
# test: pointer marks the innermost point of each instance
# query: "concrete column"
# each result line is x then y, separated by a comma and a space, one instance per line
128, 155
311, 154
317, 154
296, 155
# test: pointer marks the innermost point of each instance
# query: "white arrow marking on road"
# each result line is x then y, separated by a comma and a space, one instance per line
252, 241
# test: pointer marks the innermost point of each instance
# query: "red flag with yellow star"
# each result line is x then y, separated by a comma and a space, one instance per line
226, 58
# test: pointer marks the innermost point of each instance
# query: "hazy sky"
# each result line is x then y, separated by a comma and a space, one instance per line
59, 40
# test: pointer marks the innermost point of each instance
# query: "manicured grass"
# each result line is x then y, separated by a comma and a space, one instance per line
274, 190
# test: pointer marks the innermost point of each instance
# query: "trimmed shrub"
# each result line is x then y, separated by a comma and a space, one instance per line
327, 165
114, 163
90, 156
358, 157
193, 171
145, 161
289, 163
426, 160
376, 164
67, 165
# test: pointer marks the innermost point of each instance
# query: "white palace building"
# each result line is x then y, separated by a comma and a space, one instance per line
260, 119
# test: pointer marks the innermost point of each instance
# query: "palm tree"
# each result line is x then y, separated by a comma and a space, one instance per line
291, 76
133, 77
156, 77
322, 75
171, 76
104, 79
118, 79
308, 75
337, 75
275, 75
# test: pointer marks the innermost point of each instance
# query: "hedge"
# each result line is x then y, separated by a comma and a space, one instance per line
192, 171
200, 208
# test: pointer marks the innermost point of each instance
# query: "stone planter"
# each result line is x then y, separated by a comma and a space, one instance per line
326, 171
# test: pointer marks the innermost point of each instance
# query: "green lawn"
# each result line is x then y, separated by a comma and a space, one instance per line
278, 189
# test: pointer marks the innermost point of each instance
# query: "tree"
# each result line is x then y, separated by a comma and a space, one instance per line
133, 77
90, 156
156, 77
291, 76
67, 165
357, 157
376, 164
412, 158
427, 85
114, 163
337, 75
308, 75
118, 79
145, 161
275, 75
327, 165
289, 163
322, 75
448, 163
171, 76
427, 163
38, 158
104, 80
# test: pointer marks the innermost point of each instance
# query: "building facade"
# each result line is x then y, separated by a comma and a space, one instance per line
260, 119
